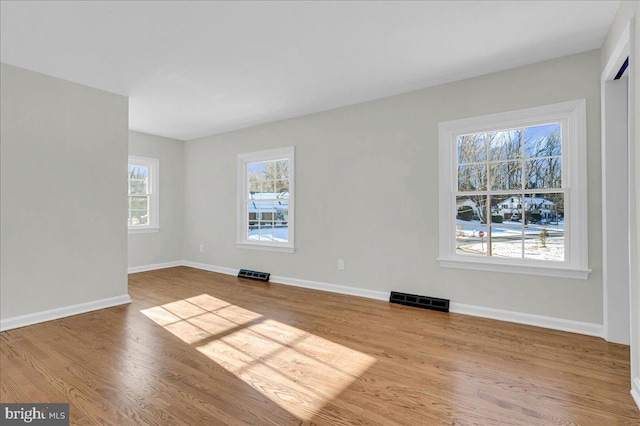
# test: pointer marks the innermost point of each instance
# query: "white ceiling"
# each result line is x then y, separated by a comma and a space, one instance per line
193, 69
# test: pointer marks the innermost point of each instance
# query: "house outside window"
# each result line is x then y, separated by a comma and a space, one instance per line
513, 192
266, 200
143, 195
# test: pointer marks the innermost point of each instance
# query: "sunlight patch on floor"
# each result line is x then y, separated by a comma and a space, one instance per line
200, 317
297, 370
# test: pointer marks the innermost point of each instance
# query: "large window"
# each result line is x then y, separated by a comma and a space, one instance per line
265, 200
513, 192
143, 194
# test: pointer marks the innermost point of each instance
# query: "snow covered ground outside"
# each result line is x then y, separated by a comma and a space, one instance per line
280, 234
472, 227
507, 240
533, 249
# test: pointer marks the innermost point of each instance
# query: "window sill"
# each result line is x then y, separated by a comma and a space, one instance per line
515, 267
145, 230
265, 247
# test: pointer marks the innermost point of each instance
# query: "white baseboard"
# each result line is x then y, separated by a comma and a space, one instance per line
67, 311
478, 311
333, 288
315, 285
529, 319
211, 268
635, 391
152, 267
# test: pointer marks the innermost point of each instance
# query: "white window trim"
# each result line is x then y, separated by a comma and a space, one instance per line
242, 215
572, 114
154, 196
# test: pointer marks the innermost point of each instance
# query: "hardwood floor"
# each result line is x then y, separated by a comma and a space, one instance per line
197, 347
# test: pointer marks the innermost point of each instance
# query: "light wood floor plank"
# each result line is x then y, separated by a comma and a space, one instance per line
200, 348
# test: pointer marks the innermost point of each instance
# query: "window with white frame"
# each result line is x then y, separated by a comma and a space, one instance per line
266, 200
143, 199
513, 192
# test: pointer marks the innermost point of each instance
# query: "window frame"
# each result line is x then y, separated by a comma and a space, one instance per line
572, 115
242, 220
153, 165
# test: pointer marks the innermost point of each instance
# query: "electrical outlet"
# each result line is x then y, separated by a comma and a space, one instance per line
201, 248
341, 264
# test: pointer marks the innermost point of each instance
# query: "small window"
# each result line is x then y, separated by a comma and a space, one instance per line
513, 192
265, 200
143, 200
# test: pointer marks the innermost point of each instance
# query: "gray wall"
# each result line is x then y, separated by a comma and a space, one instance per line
626, 11
165, 245
367, 192
63, 212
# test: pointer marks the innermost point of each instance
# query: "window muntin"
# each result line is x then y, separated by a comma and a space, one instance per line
268, 201
265, 212
499, 169
513, 192
138, 195
142, 182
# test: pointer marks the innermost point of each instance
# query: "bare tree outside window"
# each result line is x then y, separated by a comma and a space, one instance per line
508, 190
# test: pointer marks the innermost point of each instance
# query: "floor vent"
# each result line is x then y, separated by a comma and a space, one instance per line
254, 275
420, 301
